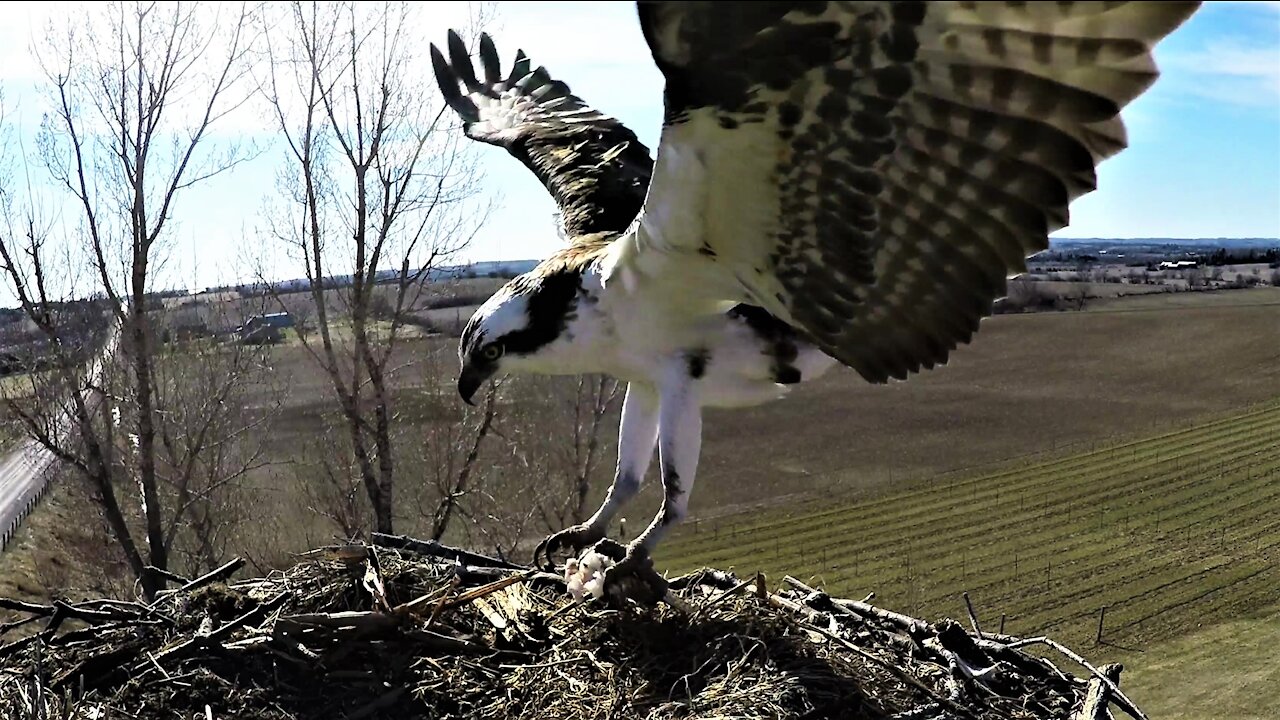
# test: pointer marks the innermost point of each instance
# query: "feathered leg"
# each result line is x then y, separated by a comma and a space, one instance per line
679, 444
637, 436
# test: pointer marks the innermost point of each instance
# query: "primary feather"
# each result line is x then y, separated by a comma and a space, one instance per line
594, 167
873, 172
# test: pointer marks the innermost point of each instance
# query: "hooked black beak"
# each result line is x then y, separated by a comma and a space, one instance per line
470, 380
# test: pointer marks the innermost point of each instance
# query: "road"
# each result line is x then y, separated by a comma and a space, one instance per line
22, 470
22, 481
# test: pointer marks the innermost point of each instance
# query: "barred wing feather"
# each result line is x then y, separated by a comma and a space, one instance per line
873, 172
594, 166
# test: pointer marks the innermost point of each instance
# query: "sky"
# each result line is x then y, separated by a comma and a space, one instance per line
1203, 159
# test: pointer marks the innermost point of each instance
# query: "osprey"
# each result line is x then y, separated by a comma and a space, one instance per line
835, 181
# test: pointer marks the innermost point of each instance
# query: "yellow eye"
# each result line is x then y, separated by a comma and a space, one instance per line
492, 352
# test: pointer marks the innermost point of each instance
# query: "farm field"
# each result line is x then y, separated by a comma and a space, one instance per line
1256, 297
1171, 533
1226, 670
1040, 384
1030, 388
1033, 385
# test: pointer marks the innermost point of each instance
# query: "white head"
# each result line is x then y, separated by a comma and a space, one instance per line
512, 328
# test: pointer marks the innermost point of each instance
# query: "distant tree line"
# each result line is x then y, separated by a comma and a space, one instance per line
1244, 256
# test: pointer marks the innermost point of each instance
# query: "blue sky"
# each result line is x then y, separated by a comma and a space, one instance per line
1203, 161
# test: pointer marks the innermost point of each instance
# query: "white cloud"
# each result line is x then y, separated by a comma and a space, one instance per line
1229, 70
1266, 5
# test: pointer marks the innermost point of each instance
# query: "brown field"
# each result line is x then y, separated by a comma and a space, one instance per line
1031, 386
1201, 301
1099, 290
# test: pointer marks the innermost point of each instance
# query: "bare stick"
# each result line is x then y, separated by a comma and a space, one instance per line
896, 671
432, 548
1095, 701
172, 577
864, 610
724, 594
973, 618
1121, 700
26, 607
221, 573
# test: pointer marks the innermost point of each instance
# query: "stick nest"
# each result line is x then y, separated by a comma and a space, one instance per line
411, 629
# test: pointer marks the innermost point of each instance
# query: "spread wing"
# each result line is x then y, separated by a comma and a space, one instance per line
873, 172
592, 165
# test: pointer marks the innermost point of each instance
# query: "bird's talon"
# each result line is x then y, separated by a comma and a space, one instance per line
575, 538
611, 549
632, 575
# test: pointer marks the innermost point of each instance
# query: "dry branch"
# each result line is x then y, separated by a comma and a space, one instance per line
377, 632
1095, 702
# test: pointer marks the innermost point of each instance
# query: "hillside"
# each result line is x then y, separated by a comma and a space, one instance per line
1168, 533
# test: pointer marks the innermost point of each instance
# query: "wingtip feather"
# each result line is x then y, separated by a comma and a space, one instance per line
489, 60
461, 61
447, 81
520, 69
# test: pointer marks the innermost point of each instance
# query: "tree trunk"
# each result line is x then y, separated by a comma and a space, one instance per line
143, 396
386, 486
99, 474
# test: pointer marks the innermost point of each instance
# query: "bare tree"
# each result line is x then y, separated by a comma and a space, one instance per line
594, 398
457, 468
546, 483
218, 401
134, 92
377, 190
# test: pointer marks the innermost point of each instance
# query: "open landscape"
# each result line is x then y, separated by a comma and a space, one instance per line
389, 360
1065, 463
1167, 535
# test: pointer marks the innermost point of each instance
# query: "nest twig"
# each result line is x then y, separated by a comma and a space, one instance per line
413, 629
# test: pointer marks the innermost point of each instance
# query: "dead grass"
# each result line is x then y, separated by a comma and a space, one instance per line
58, 551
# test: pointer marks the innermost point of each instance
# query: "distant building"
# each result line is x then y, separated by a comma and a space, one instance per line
201, 313
279, 320
260, 329
1178, 264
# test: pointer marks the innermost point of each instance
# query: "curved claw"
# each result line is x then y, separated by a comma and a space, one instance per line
633, 576
576, 537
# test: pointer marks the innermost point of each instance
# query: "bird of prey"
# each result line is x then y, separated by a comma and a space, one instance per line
848, 182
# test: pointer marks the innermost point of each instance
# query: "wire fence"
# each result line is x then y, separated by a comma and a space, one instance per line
33, 461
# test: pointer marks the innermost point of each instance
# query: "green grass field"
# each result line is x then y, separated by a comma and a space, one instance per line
1225, 670
1168, 532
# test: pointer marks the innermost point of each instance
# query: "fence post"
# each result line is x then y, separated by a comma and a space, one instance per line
1102, 617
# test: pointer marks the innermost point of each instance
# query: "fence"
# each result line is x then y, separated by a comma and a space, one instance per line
34, 462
